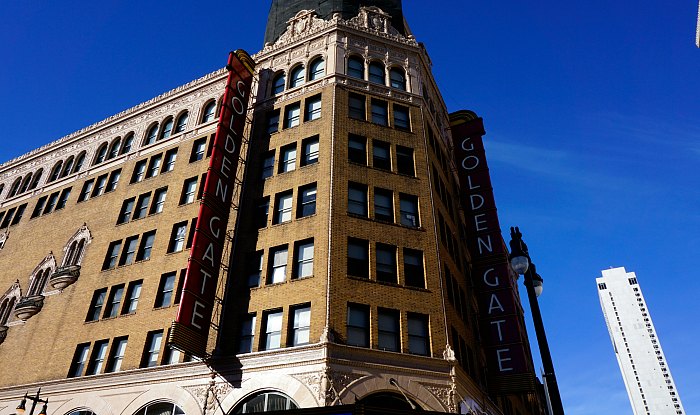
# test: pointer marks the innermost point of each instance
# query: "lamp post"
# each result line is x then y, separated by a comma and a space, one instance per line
522, 264
35, 399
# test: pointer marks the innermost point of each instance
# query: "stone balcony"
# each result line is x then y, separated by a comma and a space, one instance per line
64, 276
28, 306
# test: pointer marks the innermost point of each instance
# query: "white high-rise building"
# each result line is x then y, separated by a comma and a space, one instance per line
648, 379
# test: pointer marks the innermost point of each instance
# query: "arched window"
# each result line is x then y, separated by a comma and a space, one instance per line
79, 162
38, 283
14, 188
67, 166
397, 78
376, 73
25, 183
167, 129
114, 148
265, 402
101, 154
56, 171
35, 179
74, 250
208, 111
128, 142
151, 135
160, 408
296, 77
81, 412
356, 67
317, 69
181, 122
278, 83
6, 307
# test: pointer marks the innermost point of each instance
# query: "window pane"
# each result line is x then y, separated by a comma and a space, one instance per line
357, 149
401, 117
305, 260
307, 201
358, 258
383, 205
397, 78
247, 334
279, 266
310, 146
356, 67
289, 158
358, 325
292, 113
297, 77
317, 69
284, 208
278, 83
356, 107
388, 330
357, 199
268, 164
379, 112
376, 73
386, 263
273, 331
381, 155
404, 161
409, 210
300, 326
313, 108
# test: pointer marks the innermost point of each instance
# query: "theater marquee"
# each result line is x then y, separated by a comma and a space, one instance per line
190, 330
505, 339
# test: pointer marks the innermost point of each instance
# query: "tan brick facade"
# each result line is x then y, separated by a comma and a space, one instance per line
422, 233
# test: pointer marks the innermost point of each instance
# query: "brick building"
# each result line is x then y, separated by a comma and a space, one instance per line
346, 273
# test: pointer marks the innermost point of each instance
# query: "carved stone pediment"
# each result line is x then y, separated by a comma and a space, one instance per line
374, 18
305, 22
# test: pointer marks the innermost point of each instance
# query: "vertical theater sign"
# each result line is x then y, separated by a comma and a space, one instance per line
190, 330
505, 339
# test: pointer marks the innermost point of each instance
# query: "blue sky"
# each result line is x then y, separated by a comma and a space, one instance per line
591, 112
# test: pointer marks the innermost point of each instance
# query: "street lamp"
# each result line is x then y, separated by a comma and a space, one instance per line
522, 264
35, 400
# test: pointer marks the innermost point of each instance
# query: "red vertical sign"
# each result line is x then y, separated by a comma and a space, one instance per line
190, 330
504, 336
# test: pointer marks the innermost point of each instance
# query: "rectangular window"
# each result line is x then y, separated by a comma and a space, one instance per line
404, 161
380, 113
247, 334
177, 237
202, 183
113, 180
158, 200
381, 155
386, 263
273, 121
413, 270
170, 158
151, 351
401, 118
18, 215
112, 255
306, 205
146, 246
261, 210
133, 293
142, 205
99, 186
85, 192
254, 265
300, 325
199, 148
303, 259
99, 353
357, 149
357, 199
53, 199
272, 330
278, 265
291, 115
154, 166
383, 205
39, 207
358, 325
125, 212
310, 148
356, 107
288, 158
63, 199
283, 207
127, 256
408, 204
98, 301
388, 330
116, 355
189, 189
358, 258
268, 164
166, 288
115, 299
139, 171
313, 108
190, 234
418, 338
80, 358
